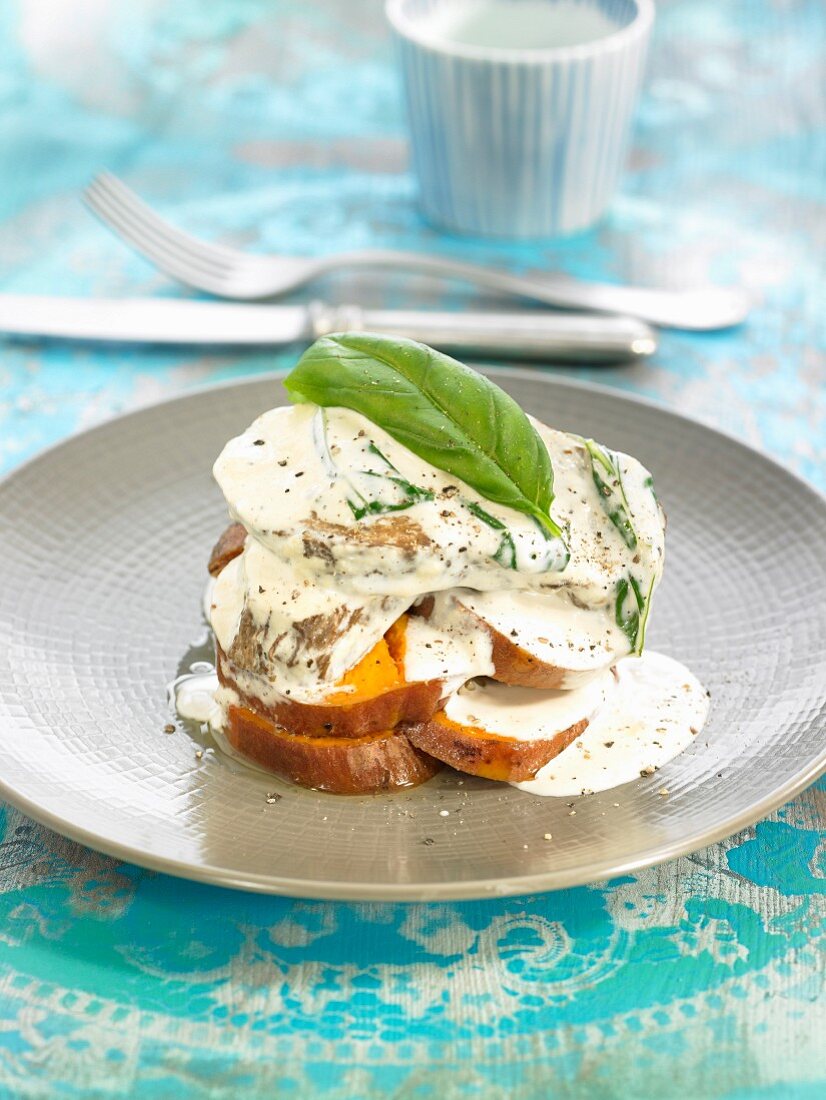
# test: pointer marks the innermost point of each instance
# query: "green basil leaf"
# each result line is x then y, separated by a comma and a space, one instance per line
506, 553
444, 412
632, 608
611, 490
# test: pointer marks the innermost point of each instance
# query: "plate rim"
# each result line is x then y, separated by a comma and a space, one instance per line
479, 889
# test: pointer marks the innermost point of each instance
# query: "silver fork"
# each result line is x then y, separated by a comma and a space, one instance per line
230, 273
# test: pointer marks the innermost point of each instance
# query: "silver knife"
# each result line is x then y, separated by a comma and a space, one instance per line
561, 337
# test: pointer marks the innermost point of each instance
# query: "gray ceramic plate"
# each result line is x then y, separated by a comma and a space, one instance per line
104, 541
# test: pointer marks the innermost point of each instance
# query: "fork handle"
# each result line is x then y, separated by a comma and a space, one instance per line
555, 337
700, 310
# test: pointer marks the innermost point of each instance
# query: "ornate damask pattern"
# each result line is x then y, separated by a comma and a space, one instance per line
118, 979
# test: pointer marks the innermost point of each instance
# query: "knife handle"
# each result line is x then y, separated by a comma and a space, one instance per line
556, 337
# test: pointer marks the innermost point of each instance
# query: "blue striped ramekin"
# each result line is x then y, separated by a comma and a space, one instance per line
519, 142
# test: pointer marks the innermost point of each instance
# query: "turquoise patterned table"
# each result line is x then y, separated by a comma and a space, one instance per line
277, 123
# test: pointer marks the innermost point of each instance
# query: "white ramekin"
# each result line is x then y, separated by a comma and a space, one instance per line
517, 142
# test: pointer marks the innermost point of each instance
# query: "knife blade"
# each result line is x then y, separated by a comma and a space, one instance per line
562, 337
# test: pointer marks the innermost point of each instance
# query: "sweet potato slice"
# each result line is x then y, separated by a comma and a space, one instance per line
380, 700
342, 765
474, 750
376, 673
514, 665
228, 546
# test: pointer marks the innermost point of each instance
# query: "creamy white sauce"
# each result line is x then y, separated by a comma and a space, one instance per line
299, 504
206, 599
198, 697
526, 714
656, 710
347, 529
549, 626
316, 466
448, 644
193, 694
301, 664
302, 480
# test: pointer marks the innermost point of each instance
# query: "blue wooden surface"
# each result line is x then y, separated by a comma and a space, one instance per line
277, 123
